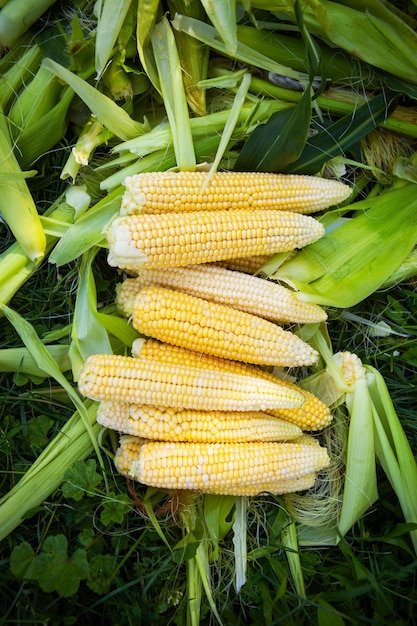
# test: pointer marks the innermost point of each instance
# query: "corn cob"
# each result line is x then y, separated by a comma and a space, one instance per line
183, 320
178, 239
312, 415
170, 424
241, 291
159, 192
142, 381
244, 469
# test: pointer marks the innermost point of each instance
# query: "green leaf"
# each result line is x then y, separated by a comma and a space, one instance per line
279, 142
342, 135
52, 568
115, 507
38, 430
101, 573
81, 479
21, 560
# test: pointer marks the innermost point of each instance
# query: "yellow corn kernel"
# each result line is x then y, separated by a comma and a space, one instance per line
243, 469
142, 381
178, 239
312, 415
159, 192
248, 265
173, 424
194, 323
252, 294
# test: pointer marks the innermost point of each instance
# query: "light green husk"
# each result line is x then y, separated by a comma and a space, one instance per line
354, 260
110, 21
16, 202
17, 16
366, 431
107, 112
172, 90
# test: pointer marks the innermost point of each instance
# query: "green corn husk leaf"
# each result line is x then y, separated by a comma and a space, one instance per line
218, 518
11, 176
208, 35
17, 16
21, 361
37, 98
274, 145
290, 51
393, 449
19, 73
45, 132
15, 266
407, 270
360, 489
290, 542
379, 38
223, 17
147, 14
16, 202
110, 21
230, 125
319, 149
116, 119
172, 90
88, 336
87, 231
193, 55
160, 137
351, 262
240, 543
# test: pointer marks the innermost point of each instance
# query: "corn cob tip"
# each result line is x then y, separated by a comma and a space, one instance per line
122, 250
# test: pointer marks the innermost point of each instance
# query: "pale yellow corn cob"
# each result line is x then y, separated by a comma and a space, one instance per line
142, 381
243, 469
158, 192
241, 291
312, 415
178, 239
194, 323
171, 424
